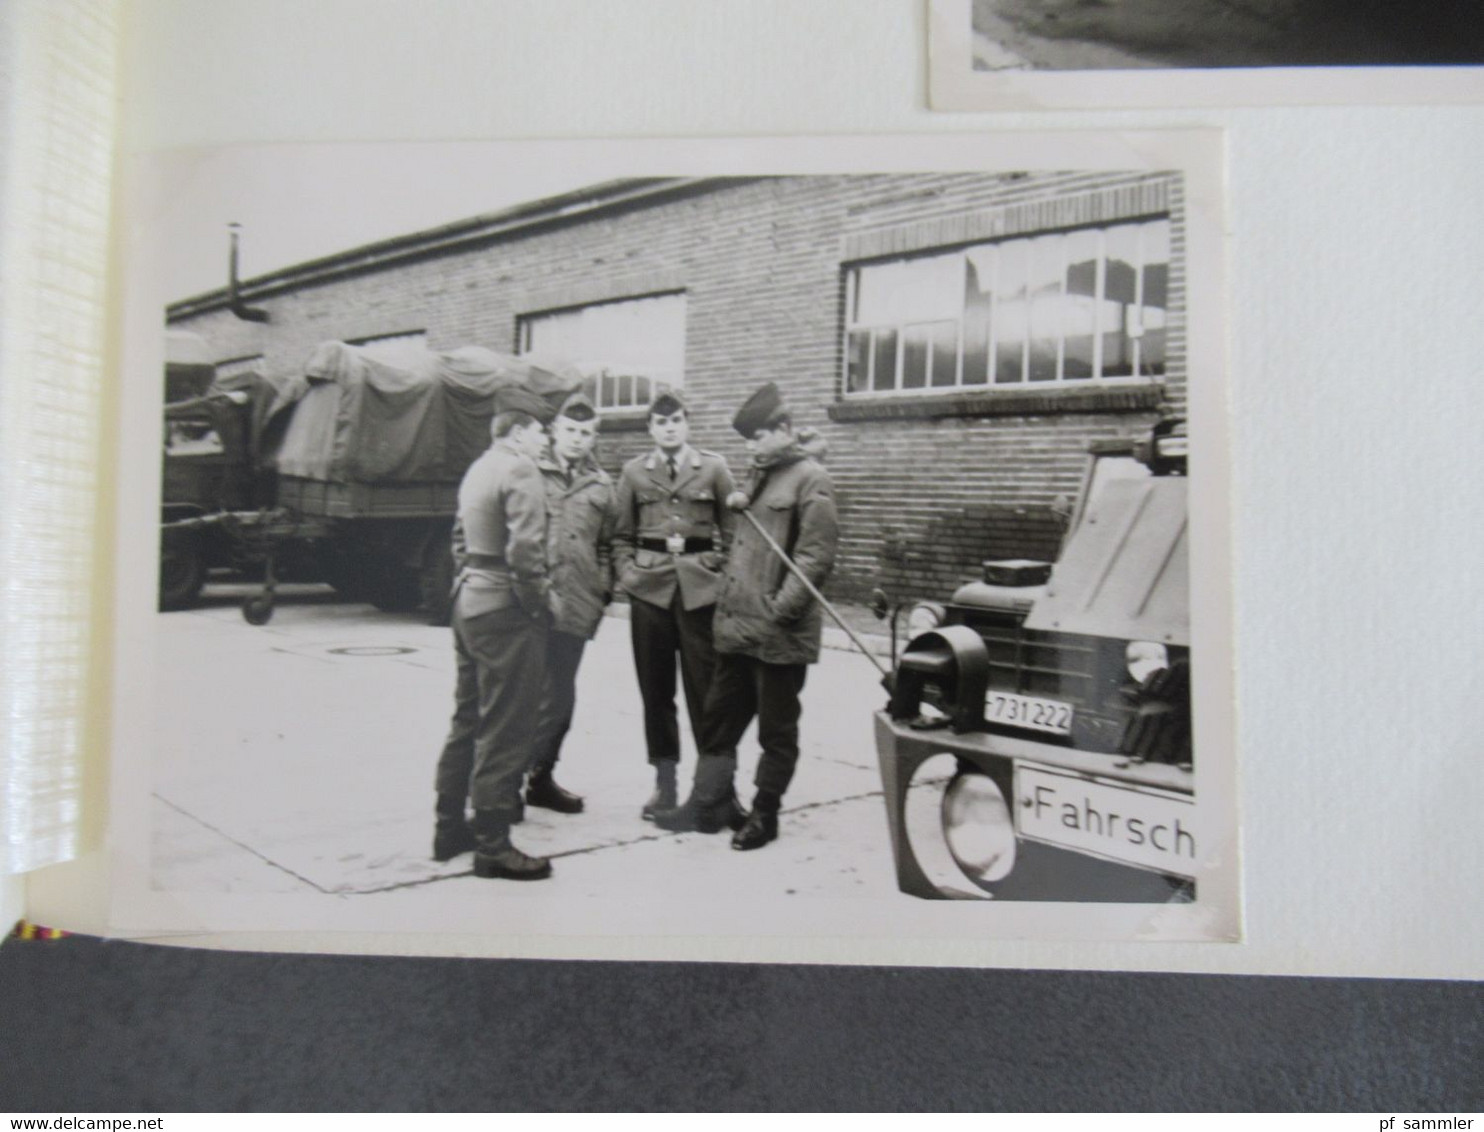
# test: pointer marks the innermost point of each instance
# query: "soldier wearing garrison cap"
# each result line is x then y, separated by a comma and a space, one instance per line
767, 627
502, 606
669, 546
580, 521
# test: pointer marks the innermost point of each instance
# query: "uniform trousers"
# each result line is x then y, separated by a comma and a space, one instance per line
501, 658
743, 687
558, 699
456, 761
658, 635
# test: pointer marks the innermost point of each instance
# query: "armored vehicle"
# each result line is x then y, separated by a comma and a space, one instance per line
1037, 745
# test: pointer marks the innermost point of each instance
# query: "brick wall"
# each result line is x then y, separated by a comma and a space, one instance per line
924, 496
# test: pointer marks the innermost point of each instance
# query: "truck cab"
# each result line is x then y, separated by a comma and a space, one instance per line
1037, 744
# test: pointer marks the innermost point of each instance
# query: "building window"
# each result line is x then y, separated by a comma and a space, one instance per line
250, 363
393, 348
1065, 307
624, 348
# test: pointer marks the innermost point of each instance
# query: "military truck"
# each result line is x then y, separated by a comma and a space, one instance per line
213, 466
347, 473
1037, 744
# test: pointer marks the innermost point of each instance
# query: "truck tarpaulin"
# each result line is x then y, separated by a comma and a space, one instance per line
423, 418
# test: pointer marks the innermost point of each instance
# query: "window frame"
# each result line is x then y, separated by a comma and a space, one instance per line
372, 341
229, 367
990, 387
525, 319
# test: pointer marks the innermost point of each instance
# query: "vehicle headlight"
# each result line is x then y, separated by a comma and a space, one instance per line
958, 826
1172, 447
1144, 658
979, 828
925, 616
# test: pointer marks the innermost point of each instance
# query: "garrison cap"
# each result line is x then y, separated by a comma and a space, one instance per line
760, 410
578, 407
517, 399
666, 403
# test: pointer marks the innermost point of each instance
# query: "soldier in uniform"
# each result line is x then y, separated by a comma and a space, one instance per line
501, 609
580, 521
669, 547
767, 628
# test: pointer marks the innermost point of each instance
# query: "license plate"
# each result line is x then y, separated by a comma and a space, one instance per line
1028, 711
1152, 829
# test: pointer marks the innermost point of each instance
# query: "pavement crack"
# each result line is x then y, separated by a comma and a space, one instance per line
242, 845
421, 882
587, 850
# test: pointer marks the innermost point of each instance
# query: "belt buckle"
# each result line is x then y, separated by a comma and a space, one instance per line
675, 544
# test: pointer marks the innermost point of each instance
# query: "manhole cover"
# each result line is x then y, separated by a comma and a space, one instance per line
373, 650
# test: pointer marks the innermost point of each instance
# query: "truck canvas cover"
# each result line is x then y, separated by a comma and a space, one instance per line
421, 419
1125, 572
249, 435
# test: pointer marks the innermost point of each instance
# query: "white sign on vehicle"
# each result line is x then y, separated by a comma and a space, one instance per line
1153, 829
1028, 711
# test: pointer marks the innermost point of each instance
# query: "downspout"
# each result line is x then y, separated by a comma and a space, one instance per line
235, 300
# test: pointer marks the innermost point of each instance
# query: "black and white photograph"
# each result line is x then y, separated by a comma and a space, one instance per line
1063, 35
799, 552
994, 54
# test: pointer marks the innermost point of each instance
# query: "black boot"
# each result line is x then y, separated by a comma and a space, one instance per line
712, 805
663, 797
761, 826
495, 857
451, 834
542, 790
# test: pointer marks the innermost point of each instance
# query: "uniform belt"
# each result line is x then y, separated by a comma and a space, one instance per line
692, 545
484, 561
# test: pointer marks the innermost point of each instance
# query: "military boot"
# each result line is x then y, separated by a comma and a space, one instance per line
761, 826
542, 790
451, 833
663, 797
712, 805
495, 857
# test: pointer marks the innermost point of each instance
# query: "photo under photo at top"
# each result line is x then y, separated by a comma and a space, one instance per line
1088, 54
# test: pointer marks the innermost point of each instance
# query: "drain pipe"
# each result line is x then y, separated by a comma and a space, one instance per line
236, 303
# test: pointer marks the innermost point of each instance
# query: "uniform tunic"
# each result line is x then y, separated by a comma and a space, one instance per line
652, 507
499, 625
673, 593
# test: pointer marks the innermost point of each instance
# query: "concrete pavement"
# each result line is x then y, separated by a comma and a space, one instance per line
298, 758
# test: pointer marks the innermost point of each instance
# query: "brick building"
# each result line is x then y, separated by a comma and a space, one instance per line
959, 339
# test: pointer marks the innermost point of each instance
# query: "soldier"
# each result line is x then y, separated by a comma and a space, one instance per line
668, 549
580, 510
501, 609
767, 628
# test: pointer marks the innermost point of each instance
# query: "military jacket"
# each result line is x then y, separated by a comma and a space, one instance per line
502, 513
764, 611
652, 508
579, 543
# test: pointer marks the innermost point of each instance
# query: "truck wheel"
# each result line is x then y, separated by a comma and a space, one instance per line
258, 609
436, 581
182, 572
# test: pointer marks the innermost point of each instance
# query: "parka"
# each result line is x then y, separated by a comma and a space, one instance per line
764, 611
579, 542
